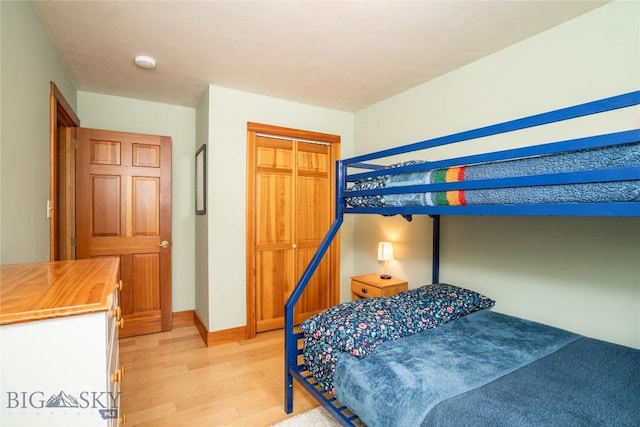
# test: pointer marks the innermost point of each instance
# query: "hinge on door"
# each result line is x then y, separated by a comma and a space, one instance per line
74, 143
74, 241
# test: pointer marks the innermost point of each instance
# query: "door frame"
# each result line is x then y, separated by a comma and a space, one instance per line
61, 210
254, 129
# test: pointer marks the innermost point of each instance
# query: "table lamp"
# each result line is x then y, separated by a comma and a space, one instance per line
385, 254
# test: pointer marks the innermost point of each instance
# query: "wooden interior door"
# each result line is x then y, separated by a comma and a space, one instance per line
290, 208
123, 209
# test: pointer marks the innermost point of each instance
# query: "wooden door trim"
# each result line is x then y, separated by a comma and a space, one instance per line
61, 115
253, 129
166, 287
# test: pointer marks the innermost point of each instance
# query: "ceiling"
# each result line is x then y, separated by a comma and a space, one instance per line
343, 55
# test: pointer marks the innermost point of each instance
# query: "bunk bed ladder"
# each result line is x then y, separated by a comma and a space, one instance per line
290, 340
292, 352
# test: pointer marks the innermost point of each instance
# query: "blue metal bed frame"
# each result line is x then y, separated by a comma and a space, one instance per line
294, 365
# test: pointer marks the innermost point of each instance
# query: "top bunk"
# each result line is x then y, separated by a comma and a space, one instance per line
596, 175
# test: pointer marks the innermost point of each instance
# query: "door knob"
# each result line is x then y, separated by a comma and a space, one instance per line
164, 244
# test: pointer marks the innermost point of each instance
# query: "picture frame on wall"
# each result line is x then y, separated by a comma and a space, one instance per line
201, 180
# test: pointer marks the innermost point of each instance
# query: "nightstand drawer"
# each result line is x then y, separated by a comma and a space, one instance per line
365, 291
371, 285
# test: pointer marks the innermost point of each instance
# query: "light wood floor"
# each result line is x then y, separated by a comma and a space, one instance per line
172, 379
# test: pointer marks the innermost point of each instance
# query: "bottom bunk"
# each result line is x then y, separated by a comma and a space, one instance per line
439, 356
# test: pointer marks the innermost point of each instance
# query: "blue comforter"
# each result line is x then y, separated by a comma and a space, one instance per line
496, 369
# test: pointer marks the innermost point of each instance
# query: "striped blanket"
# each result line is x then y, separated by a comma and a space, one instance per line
627, 155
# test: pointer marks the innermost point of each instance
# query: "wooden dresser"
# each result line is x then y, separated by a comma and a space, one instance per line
59, 326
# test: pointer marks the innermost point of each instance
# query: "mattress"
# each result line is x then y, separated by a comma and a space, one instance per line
604, 158
439, 356
493, 369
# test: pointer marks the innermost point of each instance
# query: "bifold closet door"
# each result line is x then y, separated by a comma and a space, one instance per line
292, 213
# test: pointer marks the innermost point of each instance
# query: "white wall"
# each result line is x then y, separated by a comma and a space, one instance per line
202, 226
28, 63
582, 274
593, 56
132, 115
229, 112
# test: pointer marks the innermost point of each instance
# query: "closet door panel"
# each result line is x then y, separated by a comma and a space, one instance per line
274, 282
316, 296
274, 210
313, 207
274, 155
312, 211
313, 159
274, 194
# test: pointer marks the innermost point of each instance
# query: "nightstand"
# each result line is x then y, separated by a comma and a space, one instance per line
371, 285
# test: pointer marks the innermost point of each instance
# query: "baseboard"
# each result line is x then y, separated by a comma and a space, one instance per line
218, 337
183, 318
202, 329
227, 335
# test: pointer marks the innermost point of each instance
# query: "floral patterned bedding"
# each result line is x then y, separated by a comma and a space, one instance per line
358, 327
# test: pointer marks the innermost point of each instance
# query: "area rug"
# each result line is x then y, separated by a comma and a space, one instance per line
316, 417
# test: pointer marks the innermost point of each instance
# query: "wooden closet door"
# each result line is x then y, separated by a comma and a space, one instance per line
274, 249
312, 220
290, 209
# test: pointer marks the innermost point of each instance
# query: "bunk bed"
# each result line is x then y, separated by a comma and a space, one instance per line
504, 370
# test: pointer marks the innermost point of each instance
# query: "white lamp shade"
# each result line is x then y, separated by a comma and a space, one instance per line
385, 251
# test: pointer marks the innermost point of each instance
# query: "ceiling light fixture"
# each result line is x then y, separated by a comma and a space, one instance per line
145, 61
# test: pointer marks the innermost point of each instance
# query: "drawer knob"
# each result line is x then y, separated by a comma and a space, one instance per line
119, 374
116, 313
364, 290
121, 323
122, 419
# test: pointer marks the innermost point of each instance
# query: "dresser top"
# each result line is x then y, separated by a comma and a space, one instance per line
54, 289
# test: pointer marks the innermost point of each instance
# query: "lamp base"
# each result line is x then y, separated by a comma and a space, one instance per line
385, 276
